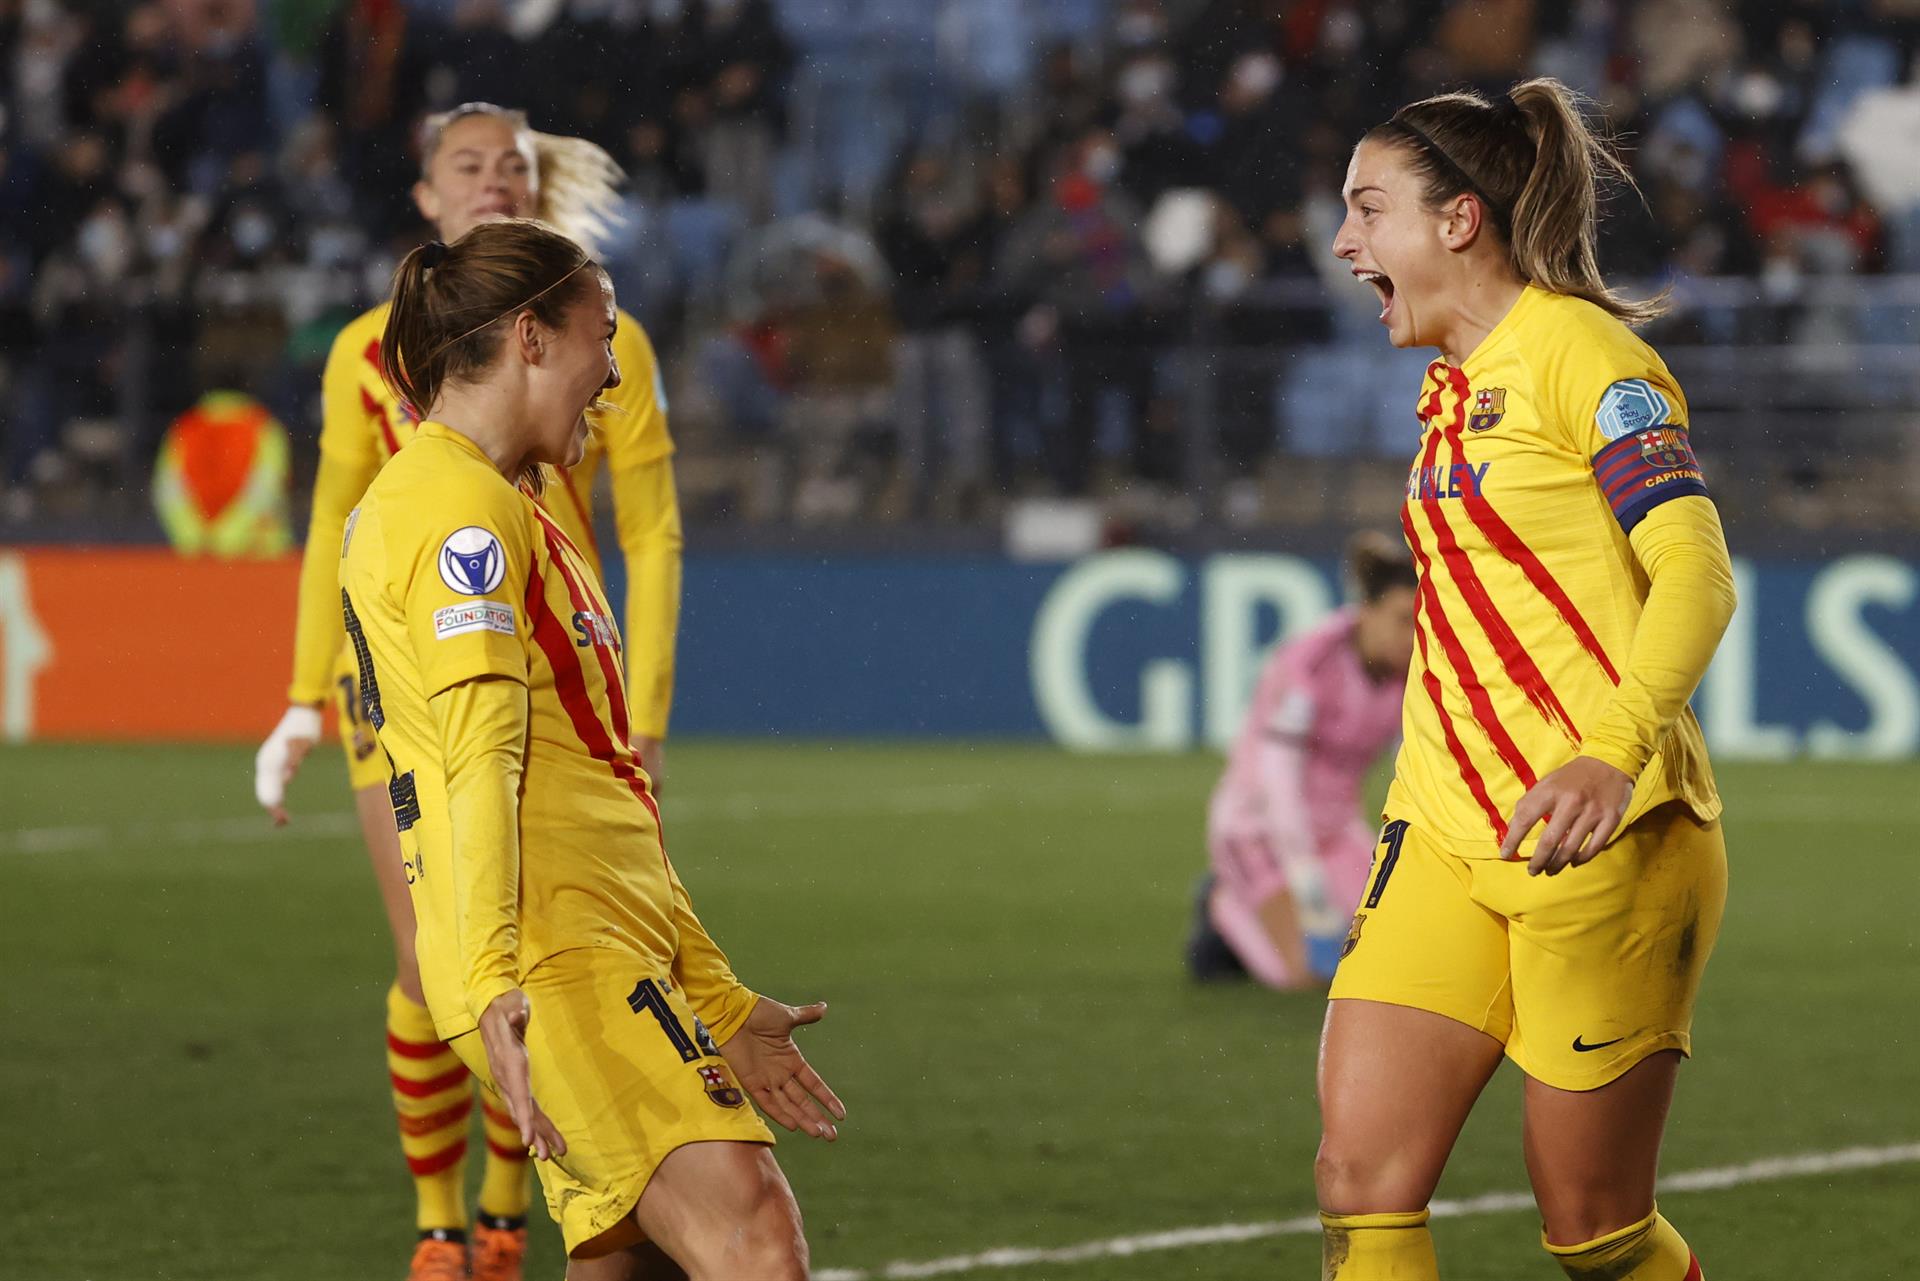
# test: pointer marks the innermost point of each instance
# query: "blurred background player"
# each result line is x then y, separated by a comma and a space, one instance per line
479, 162
1574, 583
489, 665
1289, 848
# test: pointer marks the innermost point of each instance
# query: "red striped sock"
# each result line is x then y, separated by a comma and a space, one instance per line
433, 1099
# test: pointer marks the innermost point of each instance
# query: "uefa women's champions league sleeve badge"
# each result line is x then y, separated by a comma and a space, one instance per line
472, 561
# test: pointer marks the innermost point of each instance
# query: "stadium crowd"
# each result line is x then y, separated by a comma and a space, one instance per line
901, 258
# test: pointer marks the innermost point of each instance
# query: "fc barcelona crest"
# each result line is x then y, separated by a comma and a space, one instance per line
1489, 407
1664, 447
720, 1086
1353, 935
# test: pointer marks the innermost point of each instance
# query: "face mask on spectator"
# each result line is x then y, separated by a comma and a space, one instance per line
252, 232
1145, 81
1758, 94
1342, 33
105, 245
163, 241
1139, 27
1256, 74
1101, 163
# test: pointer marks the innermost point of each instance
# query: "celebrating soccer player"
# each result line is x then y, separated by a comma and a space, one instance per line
480, 162
1552, 872
560, 956
1290, 853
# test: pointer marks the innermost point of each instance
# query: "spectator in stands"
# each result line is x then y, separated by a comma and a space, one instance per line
935, 244
1075, 259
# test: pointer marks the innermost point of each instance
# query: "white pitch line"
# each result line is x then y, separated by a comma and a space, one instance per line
930, 798
1765, 1170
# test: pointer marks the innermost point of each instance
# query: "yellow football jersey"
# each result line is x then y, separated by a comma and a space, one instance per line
448, 573
364, 424
1538, 457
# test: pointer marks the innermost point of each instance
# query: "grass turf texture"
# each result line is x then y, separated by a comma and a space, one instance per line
192, 1019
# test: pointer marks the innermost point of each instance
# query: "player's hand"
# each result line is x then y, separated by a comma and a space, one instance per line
1582, 802
772, 1069
274, 764
503, 1033
653, 759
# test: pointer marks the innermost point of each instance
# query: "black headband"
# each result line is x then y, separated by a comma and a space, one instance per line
433, 253
1506, 112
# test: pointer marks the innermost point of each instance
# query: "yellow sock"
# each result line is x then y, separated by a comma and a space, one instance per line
1649, 1250
1377, 1247
508, 1184
433, 1097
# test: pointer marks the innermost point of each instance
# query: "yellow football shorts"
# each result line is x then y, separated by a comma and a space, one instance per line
1579, 975
626, 1073
366, 763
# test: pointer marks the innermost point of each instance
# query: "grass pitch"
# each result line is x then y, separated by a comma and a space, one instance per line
190, 1022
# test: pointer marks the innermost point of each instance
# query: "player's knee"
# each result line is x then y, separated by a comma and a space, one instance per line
771, 1241
1349, 1181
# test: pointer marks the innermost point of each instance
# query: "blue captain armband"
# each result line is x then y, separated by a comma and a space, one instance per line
1648, 467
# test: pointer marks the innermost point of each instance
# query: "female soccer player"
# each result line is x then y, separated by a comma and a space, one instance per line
1289, 851
559, 954
1573, 584
480, 162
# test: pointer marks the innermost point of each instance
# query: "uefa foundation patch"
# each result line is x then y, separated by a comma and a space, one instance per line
473, 616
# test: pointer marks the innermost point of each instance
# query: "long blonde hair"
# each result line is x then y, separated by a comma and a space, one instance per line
579, 183
1537, 167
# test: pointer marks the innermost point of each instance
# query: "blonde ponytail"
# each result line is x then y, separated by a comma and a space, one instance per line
579, 188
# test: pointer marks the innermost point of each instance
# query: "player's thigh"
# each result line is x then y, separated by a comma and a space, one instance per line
1386, 1131
628, 1076
1607, 958
374, 807
1592, 1154
724, 1209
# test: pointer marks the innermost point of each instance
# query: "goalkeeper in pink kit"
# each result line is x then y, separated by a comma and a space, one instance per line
1290, 849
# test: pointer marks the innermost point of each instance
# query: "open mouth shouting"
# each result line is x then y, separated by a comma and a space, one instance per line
1382, 285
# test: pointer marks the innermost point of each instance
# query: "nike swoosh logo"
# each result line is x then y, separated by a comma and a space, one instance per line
1580, 1047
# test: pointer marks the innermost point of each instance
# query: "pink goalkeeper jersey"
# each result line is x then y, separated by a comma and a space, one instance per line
1317, 723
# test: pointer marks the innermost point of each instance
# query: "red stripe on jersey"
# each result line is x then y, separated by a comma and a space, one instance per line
570, 683
378, 413
445, 1159
1469, 680
1514, 659
1510, 545
416, 1049
586, 517
610, 674
374, 407
1693, 1269
1468, 774
432, 1085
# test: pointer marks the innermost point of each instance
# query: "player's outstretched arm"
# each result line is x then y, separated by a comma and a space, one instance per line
767, 1062
503, 1033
